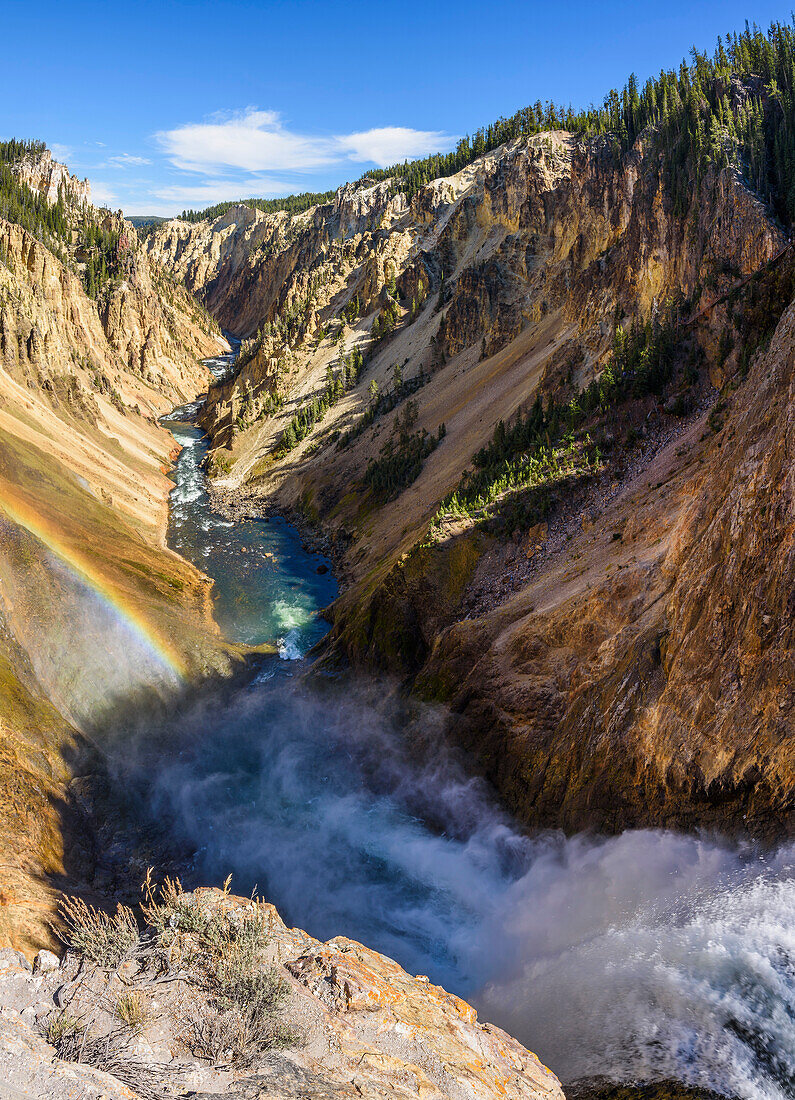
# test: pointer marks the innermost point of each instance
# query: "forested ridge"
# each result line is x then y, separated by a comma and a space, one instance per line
64, 229
47, 221
735, 106
292, 204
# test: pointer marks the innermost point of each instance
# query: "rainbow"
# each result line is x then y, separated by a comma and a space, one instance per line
22, 514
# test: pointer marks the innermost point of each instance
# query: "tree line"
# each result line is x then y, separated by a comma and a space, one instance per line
541, 442
54, 223
292, 204
734, 106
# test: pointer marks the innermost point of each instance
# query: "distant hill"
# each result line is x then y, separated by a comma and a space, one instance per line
145, 219
293, 204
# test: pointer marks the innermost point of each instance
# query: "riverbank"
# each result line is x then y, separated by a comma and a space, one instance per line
238, 504
268, 588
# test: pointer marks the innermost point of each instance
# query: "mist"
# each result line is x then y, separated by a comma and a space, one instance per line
646, 956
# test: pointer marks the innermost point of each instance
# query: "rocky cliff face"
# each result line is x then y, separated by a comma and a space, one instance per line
90, 599
640, 672
573, 655
550, 232
50, 178
360, 1025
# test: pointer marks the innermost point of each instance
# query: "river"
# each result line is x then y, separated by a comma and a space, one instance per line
643, 957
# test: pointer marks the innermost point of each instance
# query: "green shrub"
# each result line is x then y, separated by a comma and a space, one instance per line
104, 940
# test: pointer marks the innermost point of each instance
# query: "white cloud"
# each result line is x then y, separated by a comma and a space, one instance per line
128, 160
103, 196
220, 190
256, 141
252, 140
389, 144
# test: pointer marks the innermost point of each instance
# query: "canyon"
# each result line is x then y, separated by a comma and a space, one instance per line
100, 617
574, 652
527, 683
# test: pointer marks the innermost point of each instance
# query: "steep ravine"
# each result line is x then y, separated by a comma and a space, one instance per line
571, 655
609, 957
361, 1025
570, 659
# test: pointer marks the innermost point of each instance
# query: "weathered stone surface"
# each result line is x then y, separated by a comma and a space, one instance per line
47, 176
29, 1067
45, 961
369, 1029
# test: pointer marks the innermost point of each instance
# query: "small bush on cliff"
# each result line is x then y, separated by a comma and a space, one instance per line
64, 1031
229, 1000
218, 464
111, 1052
244, 1018
104, 940
225, 951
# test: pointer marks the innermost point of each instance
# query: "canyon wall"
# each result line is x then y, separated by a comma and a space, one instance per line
92, 604
99, 619
622, 656
49, 178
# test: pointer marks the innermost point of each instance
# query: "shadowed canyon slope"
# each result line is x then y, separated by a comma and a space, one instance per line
614, 641
91, 599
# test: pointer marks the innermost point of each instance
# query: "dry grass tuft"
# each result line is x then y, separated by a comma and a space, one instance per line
133, 1010
234, 1001
65, 1032
73, 1041
104, 940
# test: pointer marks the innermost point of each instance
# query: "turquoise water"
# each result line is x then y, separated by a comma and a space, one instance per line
267, 587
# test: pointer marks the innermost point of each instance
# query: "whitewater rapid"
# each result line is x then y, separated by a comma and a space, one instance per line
636, 958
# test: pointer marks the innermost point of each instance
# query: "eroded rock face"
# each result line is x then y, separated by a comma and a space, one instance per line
647, 678
83, 504
547, 228
119, 363
368, 1029
634, 672
47, 176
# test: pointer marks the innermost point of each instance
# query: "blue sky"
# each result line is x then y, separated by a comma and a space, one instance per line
169, 104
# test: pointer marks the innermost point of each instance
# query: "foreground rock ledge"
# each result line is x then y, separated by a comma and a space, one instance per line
370, 1030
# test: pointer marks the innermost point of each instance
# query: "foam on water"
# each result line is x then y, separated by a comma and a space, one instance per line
642, 957
646, 956
290, 646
